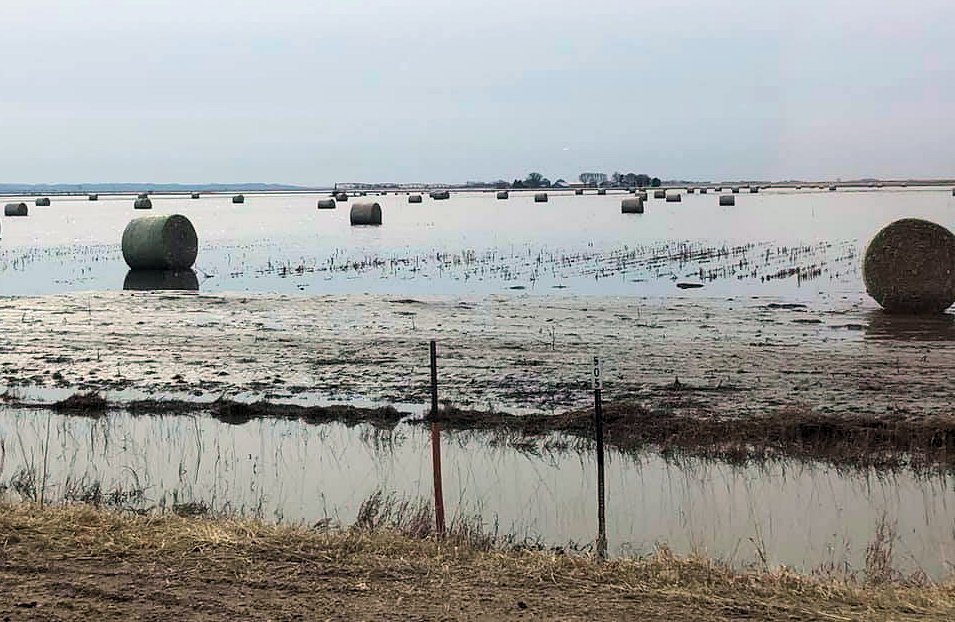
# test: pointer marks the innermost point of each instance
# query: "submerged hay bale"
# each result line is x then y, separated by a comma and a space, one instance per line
238, 199
143, 202
195, 195
366, 214
580, 191
160, 243
440, 195
93, 197
415, 198
632, 205
42, 202
659, 194
727, 199
674, 197
601, 191
15, 209
540, 197
326, 203
156, 280
341, 197
503, 194
909, 267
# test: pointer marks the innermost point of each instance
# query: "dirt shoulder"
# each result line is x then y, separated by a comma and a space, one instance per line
80, 563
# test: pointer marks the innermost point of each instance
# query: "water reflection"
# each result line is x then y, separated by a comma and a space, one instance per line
798, 514
888, 326
150, 280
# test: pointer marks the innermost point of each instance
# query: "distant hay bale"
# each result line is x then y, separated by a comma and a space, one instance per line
642, 196
631, 205
632, 190
42, 202
143, 202
365, 214
160, 280
580, 191
690, 190
142, 195
195, 195
601, 191
341, 197
909, 267
93, 197
238, 199
328, 203
832, 188
703, 190
15, 209
753, 189
727, 199
440, 195
502, 194
735, 190
674, 197
160, 243
540, 197
415, 198
659, 194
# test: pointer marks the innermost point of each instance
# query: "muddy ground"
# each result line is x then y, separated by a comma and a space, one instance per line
727, 357
78, 563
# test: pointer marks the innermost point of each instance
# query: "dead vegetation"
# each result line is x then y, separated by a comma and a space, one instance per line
74, 561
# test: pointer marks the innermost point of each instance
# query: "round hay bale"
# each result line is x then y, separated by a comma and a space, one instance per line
909, 267
159, 280
540, 197
143, 203
503, 194
142, 195
735, 190
415, 198
703, 191
674, 197
93, 197
601, 191
580, 191
440, 195
727, 199
642, 196
160, 243
326, 203
15, 209
832, 188
238, 199
341, 197
753, 189
365, 214
690, 190
659, 194
195, 195
42, 202
631, 205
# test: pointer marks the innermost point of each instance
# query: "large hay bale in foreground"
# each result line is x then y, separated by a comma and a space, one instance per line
909, 267
727, 200
15, 209
158, 280
328, 203
42, 202
540, 197
633, 205
365, 214
503, 195
160, 243
143, 202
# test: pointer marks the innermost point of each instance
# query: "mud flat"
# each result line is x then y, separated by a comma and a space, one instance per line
55, 565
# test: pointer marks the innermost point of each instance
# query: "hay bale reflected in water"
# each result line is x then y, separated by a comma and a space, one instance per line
161, 280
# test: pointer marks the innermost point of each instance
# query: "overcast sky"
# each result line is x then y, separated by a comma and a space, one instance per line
319, 91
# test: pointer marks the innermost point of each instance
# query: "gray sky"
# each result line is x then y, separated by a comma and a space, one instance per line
313, 92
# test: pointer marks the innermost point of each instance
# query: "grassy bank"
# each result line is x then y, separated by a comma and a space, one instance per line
76, 561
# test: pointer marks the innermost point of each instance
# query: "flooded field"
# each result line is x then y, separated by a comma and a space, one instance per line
798, 244
803, 515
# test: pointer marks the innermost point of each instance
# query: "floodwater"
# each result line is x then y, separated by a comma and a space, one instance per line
806, 516
787, 243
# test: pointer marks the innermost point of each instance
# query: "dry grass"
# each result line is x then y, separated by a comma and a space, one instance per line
385, 573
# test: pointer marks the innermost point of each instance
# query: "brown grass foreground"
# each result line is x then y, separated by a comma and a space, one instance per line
78, 562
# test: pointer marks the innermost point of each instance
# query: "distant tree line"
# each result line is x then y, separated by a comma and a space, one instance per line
634, 180
629, 180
